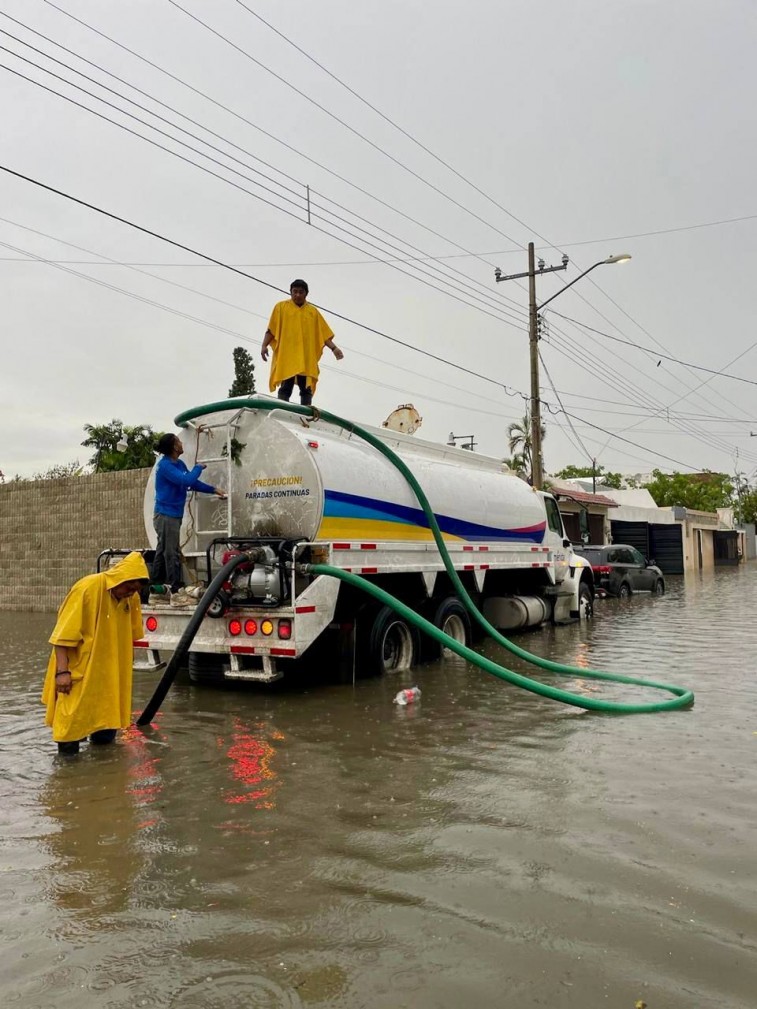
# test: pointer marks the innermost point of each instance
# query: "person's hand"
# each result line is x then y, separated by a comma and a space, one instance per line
264, 353
202, 465
63, 683
221, 493
338, 354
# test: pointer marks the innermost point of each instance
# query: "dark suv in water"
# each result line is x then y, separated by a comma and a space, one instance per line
620, 570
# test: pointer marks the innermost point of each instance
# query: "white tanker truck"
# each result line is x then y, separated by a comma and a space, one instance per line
303, 491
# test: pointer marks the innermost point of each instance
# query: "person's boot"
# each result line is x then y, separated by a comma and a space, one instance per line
68, 749
103, 737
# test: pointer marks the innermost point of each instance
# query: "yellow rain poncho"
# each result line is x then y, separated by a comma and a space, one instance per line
100, 630
299, 336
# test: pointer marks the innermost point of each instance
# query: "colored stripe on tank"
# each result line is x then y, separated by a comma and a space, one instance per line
353, 506
355, 529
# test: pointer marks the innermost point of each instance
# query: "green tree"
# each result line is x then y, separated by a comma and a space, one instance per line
745, 508
614, 480
699, 491
138, 446
244, 373
519, 443
60, 471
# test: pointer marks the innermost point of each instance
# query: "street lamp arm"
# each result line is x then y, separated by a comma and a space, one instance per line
610, 259
575, 281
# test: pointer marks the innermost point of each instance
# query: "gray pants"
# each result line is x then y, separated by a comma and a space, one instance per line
166, 567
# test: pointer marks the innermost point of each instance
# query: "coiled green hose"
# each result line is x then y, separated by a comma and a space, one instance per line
682, 696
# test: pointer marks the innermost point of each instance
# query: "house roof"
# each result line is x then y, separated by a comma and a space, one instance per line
584, 497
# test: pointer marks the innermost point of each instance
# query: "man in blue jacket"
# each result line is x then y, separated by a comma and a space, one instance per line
173, 481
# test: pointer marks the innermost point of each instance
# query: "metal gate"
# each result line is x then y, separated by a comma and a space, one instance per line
660, 542
666, 547
634, 534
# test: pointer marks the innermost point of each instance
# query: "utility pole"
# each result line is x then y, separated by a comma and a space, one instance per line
537, 463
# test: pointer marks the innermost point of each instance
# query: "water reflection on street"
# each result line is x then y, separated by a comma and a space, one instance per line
317, 846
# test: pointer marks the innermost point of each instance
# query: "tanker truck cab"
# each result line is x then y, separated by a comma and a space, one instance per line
306, 491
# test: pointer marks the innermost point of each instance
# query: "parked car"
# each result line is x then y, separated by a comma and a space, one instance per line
620, 570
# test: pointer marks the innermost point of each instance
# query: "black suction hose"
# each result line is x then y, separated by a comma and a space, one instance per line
189, 635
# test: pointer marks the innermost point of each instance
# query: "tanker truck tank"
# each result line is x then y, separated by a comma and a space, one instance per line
316, 481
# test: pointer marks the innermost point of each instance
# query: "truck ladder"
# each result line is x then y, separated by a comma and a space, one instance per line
230, 426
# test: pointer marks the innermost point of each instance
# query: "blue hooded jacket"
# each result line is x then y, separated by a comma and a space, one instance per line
173, 481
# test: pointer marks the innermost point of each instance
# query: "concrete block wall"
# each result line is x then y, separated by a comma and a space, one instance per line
51, 532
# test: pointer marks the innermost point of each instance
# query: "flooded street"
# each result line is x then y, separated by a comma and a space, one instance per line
285, 847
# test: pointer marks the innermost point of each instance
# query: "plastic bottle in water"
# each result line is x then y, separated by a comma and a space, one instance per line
409, 696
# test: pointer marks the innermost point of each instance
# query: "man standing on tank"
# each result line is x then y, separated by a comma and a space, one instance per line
173, 481
297, 333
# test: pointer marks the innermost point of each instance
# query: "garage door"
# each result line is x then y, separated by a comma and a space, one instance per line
635, 534
666, 548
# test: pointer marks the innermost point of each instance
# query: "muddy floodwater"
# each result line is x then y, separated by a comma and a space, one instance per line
315, 845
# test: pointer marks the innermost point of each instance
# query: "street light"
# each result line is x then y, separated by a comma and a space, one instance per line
468, 438
622, 258
537, 470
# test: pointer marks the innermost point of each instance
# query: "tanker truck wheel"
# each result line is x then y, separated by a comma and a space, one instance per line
205, 669
450, 616
390, 644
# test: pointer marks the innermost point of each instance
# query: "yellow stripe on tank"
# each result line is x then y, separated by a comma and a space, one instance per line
338, 528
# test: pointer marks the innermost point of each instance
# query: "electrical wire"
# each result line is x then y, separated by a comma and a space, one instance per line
582, 447
336, 118
122, 97
666, 357
491, 301
248, 122
56, 7
442, 290
250, 276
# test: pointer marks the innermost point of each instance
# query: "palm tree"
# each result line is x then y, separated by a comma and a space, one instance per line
519, 443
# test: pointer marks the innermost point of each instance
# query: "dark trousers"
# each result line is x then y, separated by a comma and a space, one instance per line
287, 386
166, 566
100, 738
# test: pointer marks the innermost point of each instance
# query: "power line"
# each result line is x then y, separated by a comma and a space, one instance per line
395, 367
241, 118
365, 139
154, 234
666, 357
463, 178
443, 290
567, 416
491, 300
336, 118
250, 276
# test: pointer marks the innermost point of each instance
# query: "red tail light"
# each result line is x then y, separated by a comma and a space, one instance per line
235, 628
250, 627
601, 569
151, 623
285, 629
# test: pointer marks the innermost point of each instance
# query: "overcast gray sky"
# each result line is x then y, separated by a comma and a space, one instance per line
583, 126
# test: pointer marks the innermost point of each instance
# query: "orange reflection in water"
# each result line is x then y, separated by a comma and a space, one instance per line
251, 755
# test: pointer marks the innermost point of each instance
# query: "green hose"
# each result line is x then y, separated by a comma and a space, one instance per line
682, 696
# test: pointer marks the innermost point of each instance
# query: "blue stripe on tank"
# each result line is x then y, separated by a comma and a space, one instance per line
341, 505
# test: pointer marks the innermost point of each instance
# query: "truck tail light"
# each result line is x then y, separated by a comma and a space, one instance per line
601, 569
151, 623
250, 627
267, 627
235, 628
285, 629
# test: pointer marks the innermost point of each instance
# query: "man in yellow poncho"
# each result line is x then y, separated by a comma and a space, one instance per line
88, 684
298, 333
